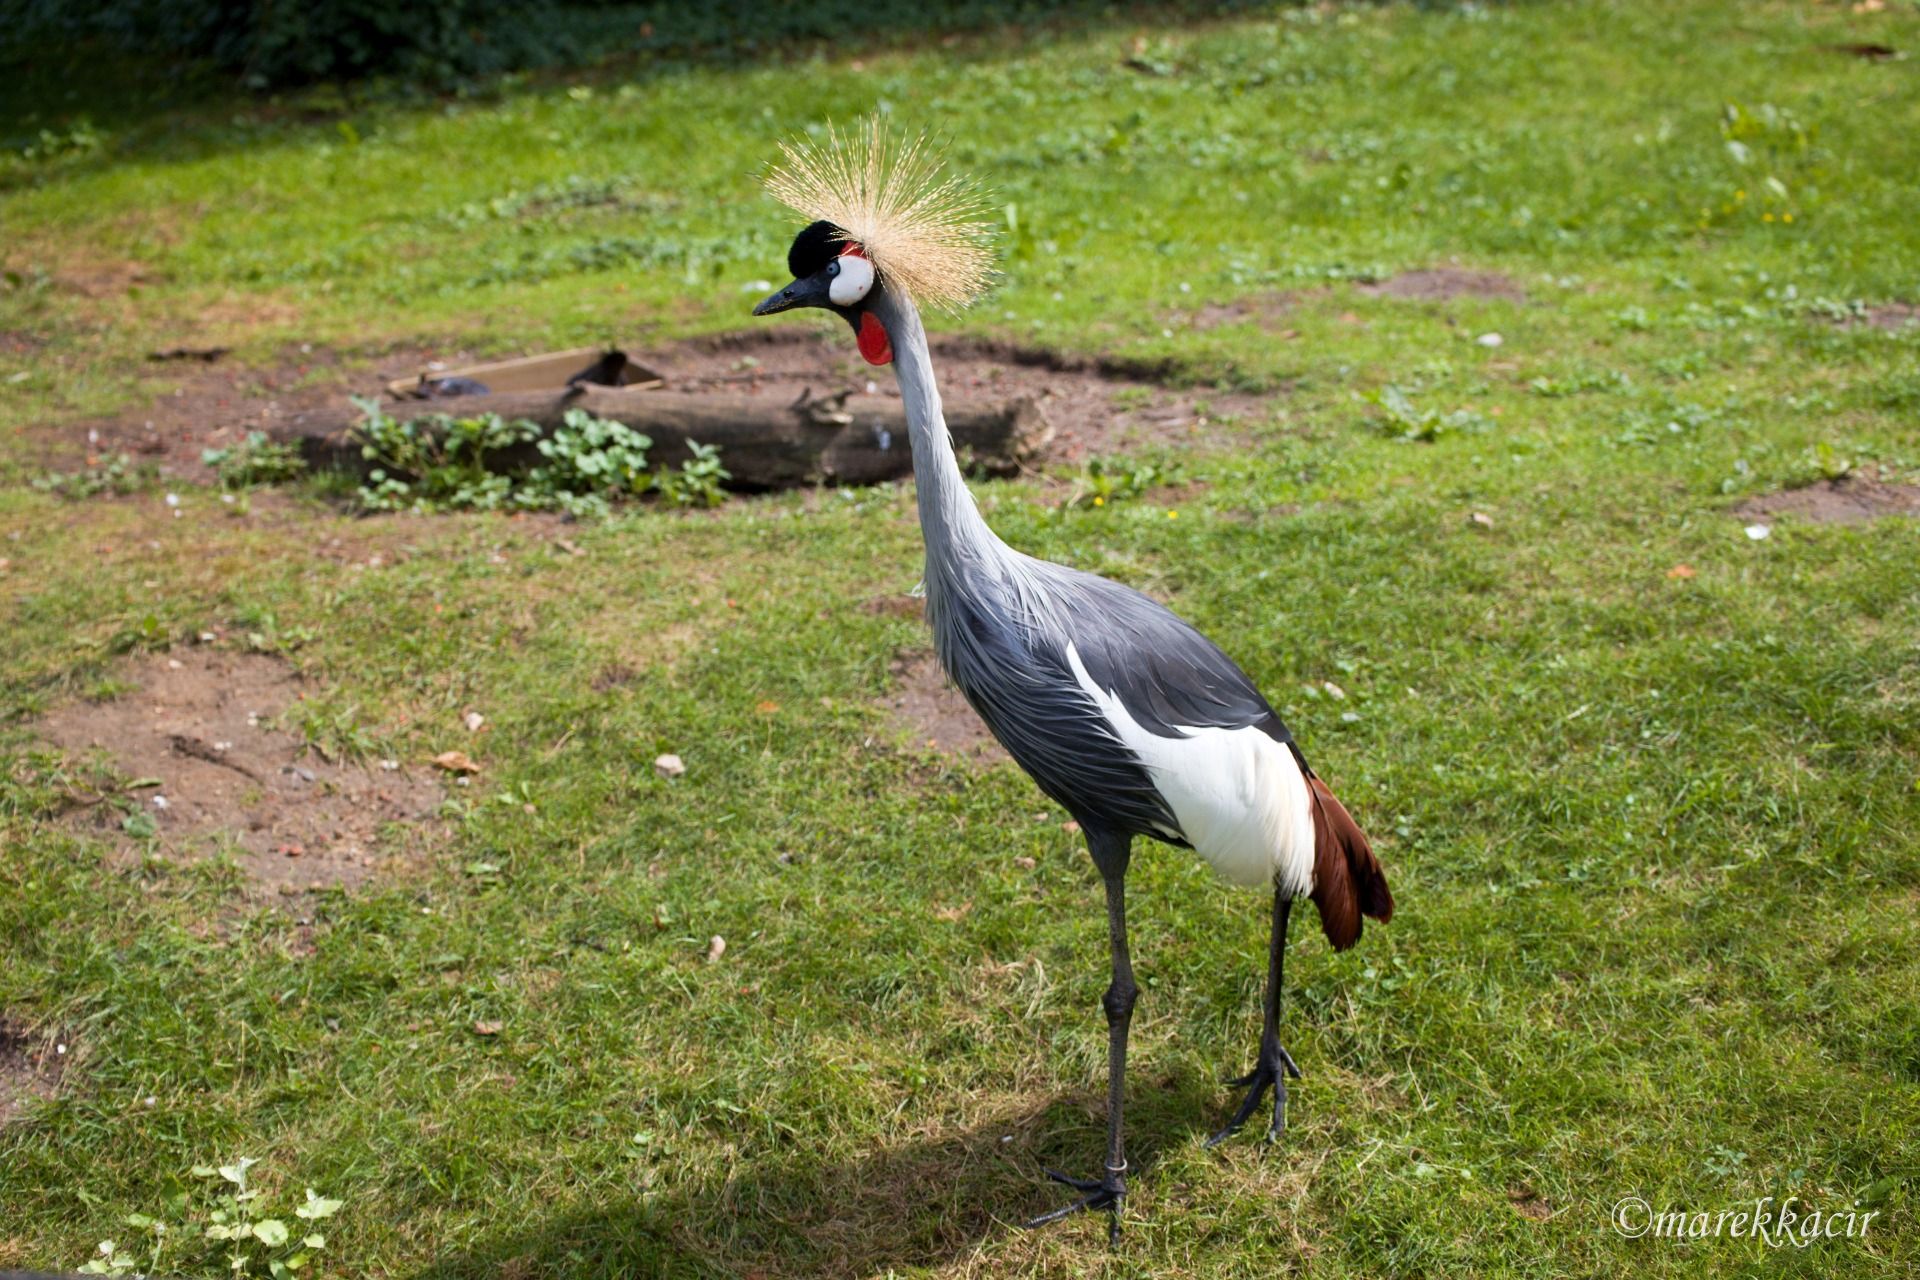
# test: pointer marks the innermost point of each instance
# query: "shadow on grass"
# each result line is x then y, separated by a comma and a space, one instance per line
128, 80
919, 1203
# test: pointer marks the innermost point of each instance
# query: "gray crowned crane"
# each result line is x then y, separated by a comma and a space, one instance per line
1125, 715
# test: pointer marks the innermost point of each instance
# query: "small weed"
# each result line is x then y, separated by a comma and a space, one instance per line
1632, 320
1824, 462
335, 732
589, 461
1901, 391
113, 473
435, 462
1768, 145
254, 460
1837, 310
187, 1233
698, 482
1405, 422
78, 139
1105, 481
1555, 388
148, 634
1644, 429
264, 634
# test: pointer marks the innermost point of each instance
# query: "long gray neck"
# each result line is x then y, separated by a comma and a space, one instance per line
950, 521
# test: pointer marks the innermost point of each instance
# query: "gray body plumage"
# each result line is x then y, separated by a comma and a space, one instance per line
1003, 623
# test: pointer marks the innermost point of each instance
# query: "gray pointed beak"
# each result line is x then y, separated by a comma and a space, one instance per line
811, 292
776, 302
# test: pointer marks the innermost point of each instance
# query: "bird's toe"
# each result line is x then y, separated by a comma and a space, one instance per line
1279, 1125
1100, 1194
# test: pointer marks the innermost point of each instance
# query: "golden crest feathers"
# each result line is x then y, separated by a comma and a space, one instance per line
922, 229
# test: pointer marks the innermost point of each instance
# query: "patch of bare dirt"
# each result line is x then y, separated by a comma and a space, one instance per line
30, 1067
1879, 315
1529, 1204
1849, 500
1441, 284
913, 607
930, 713
1097, 404
615, 675
101, 277
215, 404
1893, 315
200, 722
1268, 310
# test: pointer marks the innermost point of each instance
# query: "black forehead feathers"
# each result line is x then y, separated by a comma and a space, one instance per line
814, 248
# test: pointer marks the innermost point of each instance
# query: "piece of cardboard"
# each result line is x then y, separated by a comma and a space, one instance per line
527, 373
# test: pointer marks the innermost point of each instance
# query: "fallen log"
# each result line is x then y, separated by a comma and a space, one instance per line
765, 442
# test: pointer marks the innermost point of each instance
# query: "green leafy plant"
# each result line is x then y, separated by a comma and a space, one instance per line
254, 460
589, 460
1775, 161
113, 473
1830, 462
147, 632
1837, 310
1105, 481
222, 1220
78, 139
264, 634
698, 482
1404, 421
440, 463
435, 462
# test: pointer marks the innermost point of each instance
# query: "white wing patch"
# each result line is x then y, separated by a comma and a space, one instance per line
1239, 796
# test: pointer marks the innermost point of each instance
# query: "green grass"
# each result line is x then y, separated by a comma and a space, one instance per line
1655, 840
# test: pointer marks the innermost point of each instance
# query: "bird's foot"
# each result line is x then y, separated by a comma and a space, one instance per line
1101, 1193
1275, 1065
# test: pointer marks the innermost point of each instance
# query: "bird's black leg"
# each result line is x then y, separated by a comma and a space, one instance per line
1110, 854
1274, 1064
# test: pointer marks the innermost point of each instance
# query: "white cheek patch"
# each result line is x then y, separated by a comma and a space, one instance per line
853, 282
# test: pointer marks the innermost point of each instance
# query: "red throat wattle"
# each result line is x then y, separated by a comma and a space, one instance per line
873, 340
